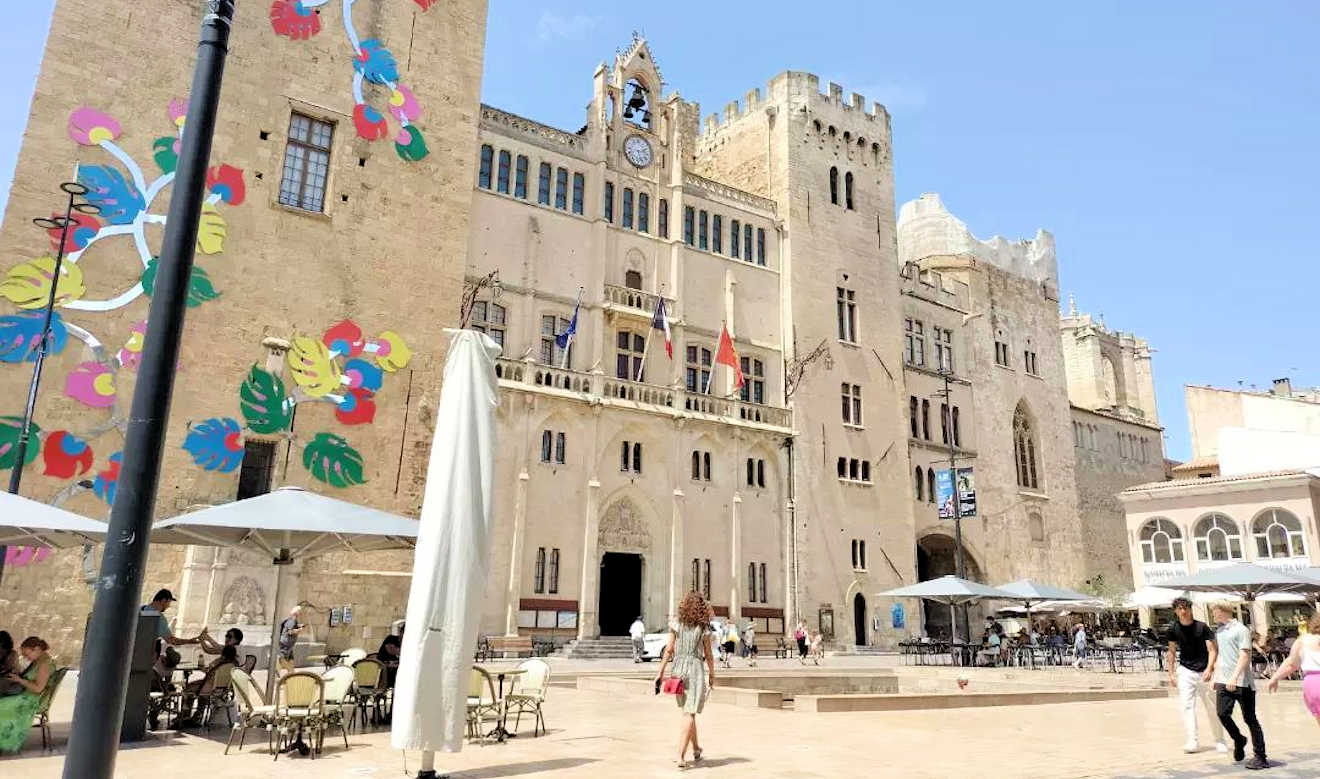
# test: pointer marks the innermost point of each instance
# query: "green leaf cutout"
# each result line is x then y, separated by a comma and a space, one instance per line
330, 459
265, 405
163, 150
200, 289
10, 430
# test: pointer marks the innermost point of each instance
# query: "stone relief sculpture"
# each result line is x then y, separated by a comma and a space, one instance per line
623, 528
245, 603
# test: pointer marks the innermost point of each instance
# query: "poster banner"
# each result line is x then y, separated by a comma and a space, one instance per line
966, 493
944, 493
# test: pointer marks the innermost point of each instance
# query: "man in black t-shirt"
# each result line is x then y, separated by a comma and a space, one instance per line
1193, 643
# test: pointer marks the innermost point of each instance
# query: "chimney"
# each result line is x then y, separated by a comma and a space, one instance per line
1283, 387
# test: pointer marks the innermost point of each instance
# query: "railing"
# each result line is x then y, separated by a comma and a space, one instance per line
533, 376
709, 187
520, 124
635, 299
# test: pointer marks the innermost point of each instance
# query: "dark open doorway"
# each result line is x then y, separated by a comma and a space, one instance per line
859, 619
620, 592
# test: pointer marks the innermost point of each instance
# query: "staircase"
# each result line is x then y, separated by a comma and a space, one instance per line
603, 648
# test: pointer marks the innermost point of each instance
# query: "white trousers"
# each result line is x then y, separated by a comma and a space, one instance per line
1190, 687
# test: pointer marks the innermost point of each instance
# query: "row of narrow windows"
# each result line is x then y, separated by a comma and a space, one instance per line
919, 421
847, 188
510, 176
701, 468
757, 589
847, 138
636, 218
705, 231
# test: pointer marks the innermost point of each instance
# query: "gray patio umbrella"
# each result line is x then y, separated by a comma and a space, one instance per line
1030, 593
289, 524
1245, 580
26, 522
949, 590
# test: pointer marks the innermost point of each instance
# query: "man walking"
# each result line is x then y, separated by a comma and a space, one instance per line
637, 630
1190, 671
1234, 685
1079, 645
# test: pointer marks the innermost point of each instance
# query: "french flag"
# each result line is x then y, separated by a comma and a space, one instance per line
661, 322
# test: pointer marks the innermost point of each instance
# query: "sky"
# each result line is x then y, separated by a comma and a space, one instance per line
1170, 148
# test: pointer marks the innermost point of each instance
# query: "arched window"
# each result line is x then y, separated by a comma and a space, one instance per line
502, 179
696, 464
545, 446
834, 186
843, 467
487, 158
847, 190
1278, 534
919, 484
1024, 449
1161, 542
1217, 538
930, 486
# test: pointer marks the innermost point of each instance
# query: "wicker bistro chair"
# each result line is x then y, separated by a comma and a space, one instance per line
529, 694
299, 705
369, 676
219, 696
252, 709
481, 701
41, 718
338, 696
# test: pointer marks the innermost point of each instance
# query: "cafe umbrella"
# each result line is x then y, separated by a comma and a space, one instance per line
951, 591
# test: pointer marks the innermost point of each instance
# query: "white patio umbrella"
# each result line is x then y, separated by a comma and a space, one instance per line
1162, 597
1030, 593
452, 557
1245, 580
289, 524
949, 590
26, 522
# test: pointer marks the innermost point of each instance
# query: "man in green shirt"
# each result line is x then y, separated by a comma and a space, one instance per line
1234, 685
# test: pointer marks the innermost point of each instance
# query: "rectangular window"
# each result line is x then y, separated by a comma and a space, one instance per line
717, 233
764, 591
751, 582
258, 468
697, 372
705, 466
643, 212
760, 246
944, 349
609, 202
702, 242
520, 177
554, 571
852, 404
747, 242
689, 225
561, 446
561, 188
914, 342
912, 415
696, 574
751, 472
488, 318
630, 348
734, 243
551, 353
1029, 362
543, 185
627, 208
579, 192
487, 163
662, 218
944, 422
705, 580
847, 312
538, 574
753, 388
1001, 354
307, 163
502, 182
547, 445
925, 419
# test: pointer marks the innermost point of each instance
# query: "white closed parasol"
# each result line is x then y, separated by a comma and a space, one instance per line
451, 558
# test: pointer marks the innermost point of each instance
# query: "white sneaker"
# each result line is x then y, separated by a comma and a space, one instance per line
1221, 747
1191, 746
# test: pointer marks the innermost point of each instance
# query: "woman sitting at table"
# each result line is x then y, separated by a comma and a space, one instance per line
206, 685
16, 711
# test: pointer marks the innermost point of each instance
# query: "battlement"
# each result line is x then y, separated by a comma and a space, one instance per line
927, 229
1084, 323
794, 86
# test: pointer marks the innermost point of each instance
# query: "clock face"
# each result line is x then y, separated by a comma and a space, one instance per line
638, 150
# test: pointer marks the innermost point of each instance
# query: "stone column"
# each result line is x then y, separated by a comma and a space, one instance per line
735, 557
512, 595
587, 596
790, 570
675, 557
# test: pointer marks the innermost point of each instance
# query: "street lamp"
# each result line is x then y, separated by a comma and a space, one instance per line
74, 190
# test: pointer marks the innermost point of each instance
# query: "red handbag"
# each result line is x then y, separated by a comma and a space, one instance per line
672, 686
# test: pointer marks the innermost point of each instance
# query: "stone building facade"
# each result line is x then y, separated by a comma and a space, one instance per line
342, 143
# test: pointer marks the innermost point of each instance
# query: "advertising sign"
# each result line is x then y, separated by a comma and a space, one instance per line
966, 493
944, 493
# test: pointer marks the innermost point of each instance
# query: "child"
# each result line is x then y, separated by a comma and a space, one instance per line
817, 647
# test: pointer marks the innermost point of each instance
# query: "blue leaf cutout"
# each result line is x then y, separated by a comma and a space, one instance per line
119, 201
19, 334
376, 63
214, 444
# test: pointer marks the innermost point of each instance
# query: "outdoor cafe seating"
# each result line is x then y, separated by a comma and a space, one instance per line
491, 698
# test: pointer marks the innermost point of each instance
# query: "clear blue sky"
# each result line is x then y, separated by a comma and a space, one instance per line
1170, 147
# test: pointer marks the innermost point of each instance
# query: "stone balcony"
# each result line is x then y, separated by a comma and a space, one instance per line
634, 302
597, 388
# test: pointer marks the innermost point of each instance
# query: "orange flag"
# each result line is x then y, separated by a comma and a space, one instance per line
726, 355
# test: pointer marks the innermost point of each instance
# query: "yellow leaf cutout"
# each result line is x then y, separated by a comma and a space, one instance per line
27, 285
211, 231
399, 353
313, 370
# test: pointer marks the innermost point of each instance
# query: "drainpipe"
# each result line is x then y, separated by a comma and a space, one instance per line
792, 610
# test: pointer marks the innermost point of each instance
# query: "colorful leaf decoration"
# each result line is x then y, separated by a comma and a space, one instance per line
211, 231
108, 480
362, 374
200, 289
92, 384
19, 334
313, 370
119, 201
404, 105
178, 111
330, 459
376, 63
131, 353
215, 444
265, 405
424, 4
11, 429
356, 408
81, 232
392, 353
90, 127
410, 145
369, 123
293, 20
166, 152
227, 182
27, 285
66, 455
344, 339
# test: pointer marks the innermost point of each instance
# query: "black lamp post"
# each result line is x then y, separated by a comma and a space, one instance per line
74, 190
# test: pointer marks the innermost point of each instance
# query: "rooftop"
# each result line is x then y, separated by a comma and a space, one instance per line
1245, 477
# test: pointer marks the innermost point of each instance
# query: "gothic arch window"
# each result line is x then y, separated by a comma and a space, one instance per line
1278, 534
1161, 542
834, 185
1109, 382
919, 484
1218, 538
1024, 448
848, 190
637, 110
930, 485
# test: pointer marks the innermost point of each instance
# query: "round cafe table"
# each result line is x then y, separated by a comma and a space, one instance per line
500, 733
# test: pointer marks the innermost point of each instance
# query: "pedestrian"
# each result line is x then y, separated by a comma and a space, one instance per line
749, 643
1234, 685
289, 630
1079, 645
728, 639
637, 630
801, 636
817, 647
1190, 672
689, 651
1304, 655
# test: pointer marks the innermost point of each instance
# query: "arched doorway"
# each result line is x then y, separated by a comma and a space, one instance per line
624, 541
859, 619
937, 556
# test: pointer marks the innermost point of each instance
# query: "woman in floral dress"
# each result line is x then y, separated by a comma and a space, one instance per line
16, 711
689, 651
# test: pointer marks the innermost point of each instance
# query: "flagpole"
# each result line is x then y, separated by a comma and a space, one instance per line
576, 307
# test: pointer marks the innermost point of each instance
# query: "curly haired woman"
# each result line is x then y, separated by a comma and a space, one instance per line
690, 653
16, 710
